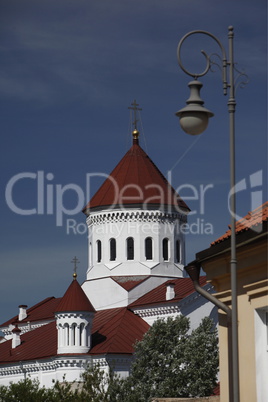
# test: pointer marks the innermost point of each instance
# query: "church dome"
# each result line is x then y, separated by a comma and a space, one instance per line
75, 299
136, 182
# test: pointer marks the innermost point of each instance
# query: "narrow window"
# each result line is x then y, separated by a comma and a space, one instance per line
130, 248
74, 333
112, 250
98, 251
148, 248
66, 330
90, 254
165, 249
178, 251
81, 328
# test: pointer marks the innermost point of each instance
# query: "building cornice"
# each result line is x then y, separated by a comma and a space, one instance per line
26, 368
25, 327
153, 311
135, 216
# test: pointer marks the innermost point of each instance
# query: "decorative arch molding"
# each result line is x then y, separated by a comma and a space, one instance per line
135, 216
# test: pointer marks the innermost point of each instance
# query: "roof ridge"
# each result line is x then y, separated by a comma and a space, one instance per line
118, 327
115, 313
30, 309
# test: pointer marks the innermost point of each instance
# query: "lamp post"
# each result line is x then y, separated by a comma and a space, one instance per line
194, 120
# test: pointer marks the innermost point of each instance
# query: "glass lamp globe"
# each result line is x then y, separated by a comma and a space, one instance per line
194, 117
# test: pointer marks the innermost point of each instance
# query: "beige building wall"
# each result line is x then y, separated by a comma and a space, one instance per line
252, 312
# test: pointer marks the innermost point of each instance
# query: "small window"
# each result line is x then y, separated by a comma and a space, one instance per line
98, 251
165, 249
148, 248
178, 251
90, 254
130, 248
112, 249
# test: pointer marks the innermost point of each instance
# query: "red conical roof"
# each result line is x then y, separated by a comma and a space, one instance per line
75, 299
136, 181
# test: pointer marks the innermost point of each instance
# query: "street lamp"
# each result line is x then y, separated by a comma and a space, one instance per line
194, 117
194, 120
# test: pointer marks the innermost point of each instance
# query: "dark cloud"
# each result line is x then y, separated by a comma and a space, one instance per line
69, 69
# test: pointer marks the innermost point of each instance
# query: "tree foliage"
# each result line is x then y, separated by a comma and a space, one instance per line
95, 386
25, 390
169, 362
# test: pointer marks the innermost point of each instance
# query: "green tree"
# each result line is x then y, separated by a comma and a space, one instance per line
170, 362
95, 386
98, 386
25, 391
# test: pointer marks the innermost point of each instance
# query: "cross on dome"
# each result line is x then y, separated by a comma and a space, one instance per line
75, 261
135, 108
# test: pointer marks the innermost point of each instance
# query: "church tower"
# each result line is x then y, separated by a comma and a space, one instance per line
134, 225
74, 317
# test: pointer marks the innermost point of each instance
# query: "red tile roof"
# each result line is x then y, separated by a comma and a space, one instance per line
251, 220
41, 311
114, 331
183, 287
75, 299
135, 181
39, 343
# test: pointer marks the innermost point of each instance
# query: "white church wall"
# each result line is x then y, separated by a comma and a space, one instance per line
69, 369
139, 225
70, 373
119, 363
160, 311
46, 370
196, 307
7, 379
105, 293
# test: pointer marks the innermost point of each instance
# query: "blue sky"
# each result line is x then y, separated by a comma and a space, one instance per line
69, 70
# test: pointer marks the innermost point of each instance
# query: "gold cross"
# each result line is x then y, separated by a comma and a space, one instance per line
135, 109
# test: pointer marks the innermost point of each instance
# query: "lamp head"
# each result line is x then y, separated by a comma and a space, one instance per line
194, 117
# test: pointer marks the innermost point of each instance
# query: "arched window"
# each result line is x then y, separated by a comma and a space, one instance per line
81, 329
130, 248
165, 249
112, 250
73, 334
98, 251
178, 251
148, 248
66, 334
